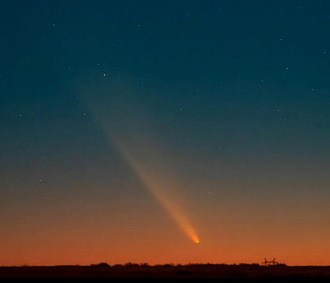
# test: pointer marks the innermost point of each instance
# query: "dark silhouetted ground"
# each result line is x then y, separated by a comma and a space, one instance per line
166, 271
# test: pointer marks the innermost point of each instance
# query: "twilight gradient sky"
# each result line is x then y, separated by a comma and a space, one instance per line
131, 129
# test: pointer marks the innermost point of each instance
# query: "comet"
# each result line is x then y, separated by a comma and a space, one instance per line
130, 132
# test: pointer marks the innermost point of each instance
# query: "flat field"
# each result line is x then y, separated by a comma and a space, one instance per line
166, 271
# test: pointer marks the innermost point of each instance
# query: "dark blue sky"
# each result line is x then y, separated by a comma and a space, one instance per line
236, 92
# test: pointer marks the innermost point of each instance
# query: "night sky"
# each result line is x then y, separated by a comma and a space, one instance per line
164, 132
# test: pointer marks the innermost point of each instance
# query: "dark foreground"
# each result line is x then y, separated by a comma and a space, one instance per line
190, 271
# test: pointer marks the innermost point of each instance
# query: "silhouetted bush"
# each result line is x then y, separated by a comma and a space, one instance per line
101, 264
144, 264
130, 264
